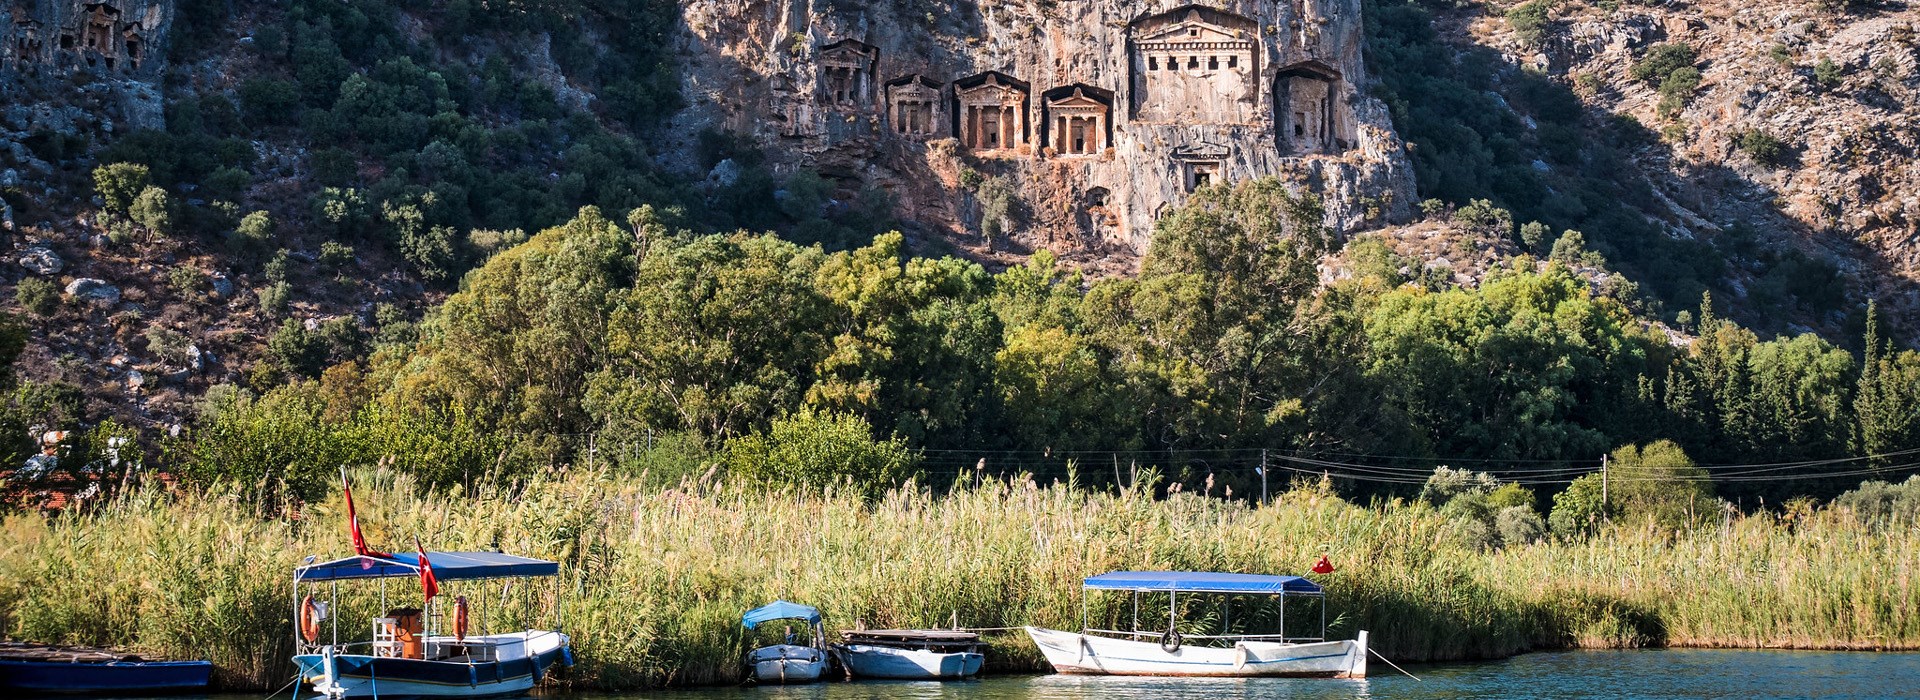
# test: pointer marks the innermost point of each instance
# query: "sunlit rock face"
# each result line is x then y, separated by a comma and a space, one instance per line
104, 57
1101, 113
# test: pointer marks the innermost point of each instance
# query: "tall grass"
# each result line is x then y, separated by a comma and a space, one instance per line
653, 579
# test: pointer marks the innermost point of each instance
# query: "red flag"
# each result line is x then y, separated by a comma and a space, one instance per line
429, 586
353, 524
1323, 566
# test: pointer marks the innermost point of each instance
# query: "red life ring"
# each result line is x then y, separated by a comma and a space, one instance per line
310, 620
460, 618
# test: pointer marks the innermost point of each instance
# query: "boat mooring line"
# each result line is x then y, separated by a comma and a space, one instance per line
295, 681
1390, 662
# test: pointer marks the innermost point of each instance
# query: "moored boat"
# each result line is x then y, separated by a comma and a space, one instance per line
407, 659
1168, 652
911, 654
31, 668
789, 661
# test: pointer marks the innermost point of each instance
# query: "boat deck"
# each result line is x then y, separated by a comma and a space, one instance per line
912, 637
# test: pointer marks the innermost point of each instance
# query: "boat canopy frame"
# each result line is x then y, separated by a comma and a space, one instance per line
447, 566
1173, 583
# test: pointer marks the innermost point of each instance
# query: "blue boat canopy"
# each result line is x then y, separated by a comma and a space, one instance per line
1201, 582
447, 566
780, 610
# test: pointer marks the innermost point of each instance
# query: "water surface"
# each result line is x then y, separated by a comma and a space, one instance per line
1656, 673
1659, 673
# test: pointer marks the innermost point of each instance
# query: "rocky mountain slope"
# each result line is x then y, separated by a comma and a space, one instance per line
1800, 121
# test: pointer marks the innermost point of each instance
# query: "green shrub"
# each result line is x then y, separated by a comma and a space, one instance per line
274, 299
1878, 503
813, 449
187, 281
37, 296
119, 184
1827, 73
1761, 146
153, 211
1662, 60
254, 233
336, 256
1530, 21
296, 350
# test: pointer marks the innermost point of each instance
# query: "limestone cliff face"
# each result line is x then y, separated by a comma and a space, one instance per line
1101, 113
1846, 184
69, 66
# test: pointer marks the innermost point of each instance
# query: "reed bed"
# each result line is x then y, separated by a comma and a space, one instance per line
654, 579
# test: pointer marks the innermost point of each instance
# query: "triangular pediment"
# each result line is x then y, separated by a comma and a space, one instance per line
1193, 30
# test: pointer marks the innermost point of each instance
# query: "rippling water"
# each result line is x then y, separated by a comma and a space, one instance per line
1662, 673
1679, 673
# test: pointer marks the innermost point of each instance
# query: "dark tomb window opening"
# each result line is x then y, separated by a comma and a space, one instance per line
1213, 63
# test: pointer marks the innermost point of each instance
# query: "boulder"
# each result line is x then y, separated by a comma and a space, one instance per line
94, 290
40, 260
222, 286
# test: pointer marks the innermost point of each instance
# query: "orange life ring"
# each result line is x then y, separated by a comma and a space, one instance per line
460, 618
310, 620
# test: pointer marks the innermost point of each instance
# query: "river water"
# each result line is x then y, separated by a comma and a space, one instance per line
1656, 673
1661, 673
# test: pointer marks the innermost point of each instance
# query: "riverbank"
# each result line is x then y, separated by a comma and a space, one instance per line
656, 578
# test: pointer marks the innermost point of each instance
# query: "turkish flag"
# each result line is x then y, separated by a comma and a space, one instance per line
353, 525
1323, 566
429, 586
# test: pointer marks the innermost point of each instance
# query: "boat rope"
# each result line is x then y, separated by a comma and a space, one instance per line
1390, 662
295, 681
987, 629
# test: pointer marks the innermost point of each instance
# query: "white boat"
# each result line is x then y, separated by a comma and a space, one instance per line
1168, 652
911, 654
787, 662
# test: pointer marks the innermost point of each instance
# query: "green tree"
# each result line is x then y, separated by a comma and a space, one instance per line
719, 335
914, 344
153, 211
1528, 365
296, 350
814, 449
1218, 333
1658, 483
516, 346
119, 184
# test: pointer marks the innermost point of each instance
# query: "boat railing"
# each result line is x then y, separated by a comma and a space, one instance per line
1241, 637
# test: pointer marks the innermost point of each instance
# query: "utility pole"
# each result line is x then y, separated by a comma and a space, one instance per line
1263, 476
1603, 483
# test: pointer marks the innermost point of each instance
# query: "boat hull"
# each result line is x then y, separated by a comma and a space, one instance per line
786, 664
118, 677
1071, 652
361, 676
867, 661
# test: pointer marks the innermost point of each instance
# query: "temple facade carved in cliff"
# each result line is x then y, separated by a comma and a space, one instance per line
1103, 114
61, 37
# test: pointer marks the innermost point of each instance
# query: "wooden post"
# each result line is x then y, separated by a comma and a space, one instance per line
979, 471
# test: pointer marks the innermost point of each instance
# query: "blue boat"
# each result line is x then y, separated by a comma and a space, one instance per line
83, 671
407, 659
911, 654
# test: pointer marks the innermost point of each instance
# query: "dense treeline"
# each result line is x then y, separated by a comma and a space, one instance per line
661, 350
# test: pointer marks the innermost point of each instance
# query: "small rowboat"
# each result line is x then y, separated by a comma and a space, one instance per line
1169, 652
28, 668
789, 661
911, 654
